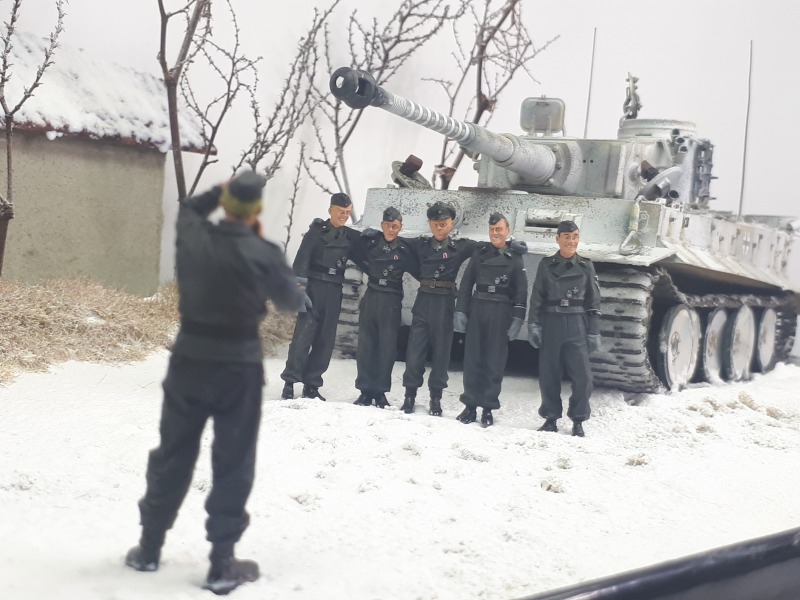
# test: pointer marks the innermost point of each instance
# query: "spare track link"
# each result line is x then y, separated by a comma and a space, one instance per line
347, 329
626, 309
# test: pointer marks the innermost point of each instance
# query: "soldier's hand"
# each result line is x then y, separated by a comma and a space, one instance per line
514, 328
519, 246
307, 304
370, 233
593, 341
535, 335
460, 320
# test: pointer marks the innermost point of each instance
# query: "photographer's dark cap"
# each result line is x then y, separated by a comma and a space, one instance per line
567, 227
392, 214
241, 196
496, 217
340, 199
247, 186
440, 211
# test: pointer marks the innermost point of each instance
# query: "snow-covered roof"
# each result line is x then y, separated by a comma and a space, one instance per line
84, 96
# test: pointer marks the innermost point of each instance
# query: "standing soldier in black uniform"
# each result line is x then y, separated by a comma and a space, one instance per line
564, 323
321, 259
386, 258
225, 274
491, 315
440, 258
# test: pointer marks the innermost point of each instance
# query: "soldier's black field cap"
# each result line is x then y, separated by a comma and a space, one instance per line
496, 217
440, 211
392, 214
340, 199
567, 227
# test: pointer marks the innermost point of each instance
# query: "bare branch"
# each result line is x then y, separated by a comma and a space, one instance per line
200, 9
293, 197
295, 102
236, 73
47, 60
501, 47
381, 49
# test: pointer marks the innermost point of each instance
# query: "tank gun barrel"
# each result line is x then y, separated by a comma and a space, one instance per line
536, 163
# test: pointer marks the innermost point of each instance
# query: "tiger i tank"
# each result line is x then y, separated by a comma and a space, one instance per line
689, 293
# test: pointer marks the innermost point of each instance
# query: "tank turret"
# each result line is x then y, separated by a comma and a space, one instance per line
689, 293
652, 158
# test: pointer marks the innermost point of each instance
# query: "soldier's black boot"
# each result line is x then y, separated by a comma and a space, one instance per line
409, 400
468, 415
381, 401
309, 391
577, 429
288, 391
549, 425
146, 555
143, 559
487, 420
435, 406
364, 399
227, 573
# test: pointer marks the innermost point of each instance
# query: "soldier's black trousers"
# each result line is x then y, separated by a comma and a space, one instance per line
194, 390
431, 327
485, 352
314, 335
378, 326
564, 349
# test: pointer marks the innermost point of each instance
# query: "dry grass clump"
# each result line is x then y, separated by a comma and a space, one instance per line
79, 319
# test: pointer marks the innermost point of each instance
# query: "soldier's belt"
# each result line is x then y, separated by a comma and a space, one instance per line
493, 289
387, 283
435, 283
326, 270
228, 331
566, 302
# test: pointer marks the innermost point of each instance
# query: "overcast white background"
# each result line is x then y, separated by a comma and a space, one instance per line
691, 57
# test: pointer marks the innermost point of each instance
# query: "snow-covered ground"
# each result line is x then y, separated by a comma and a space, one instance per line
360, 503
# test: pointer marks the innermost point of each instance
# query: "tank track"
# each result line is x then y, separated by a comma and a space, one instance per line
626, 310
628, 328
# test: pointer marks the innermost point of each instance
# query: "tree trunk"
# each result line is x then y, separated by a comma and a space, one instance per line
7, 205
175, 134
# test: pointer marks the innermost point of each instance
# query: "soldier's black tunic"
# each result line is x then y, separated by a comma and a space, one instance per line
432, 313
379, 310
494, 289
322, 258
225, 273
565, 301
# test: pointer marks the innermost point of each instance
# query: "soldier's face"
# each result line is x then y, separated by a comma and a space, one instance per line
391, 229
339, 215
440, 228
498, 233
568, 243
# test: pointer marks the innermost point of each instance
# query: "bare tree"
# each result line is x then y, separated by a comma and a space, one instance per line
382, 50
10, 109
275, 128
236, 73
194, 12
500, 47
